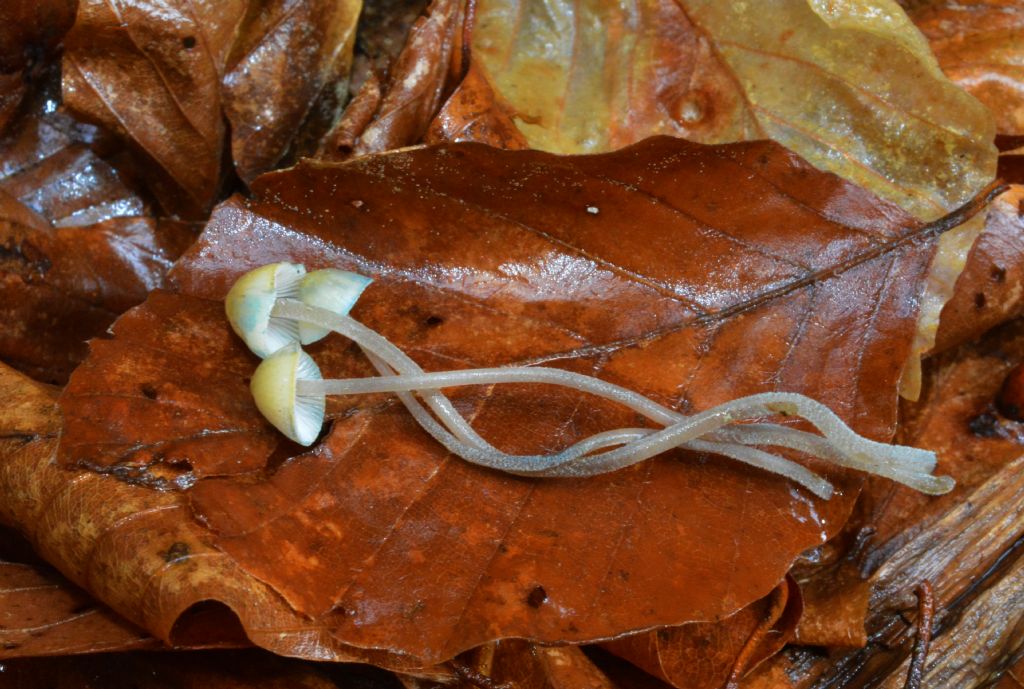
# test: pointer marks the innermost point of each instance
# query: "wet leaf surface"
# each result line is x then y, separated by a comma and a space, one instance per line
740, 294
527, 666
990, 291
30, 33
152, 74
573, 77
42, 614
287, 79
714, 72
412, 94
980, 45
138, 550
163, 78
708, 655
78, 245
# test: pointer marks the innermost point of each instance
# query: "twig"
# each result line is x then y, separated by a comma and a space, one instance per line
925, 615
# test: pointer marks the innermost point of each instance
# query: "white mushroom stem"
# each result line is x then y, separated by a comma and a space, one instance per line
558, 465
840, 444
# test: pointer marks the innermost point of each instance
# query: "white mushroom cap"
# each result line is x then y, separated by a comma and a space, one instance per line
251, 299
333, 290
275, 389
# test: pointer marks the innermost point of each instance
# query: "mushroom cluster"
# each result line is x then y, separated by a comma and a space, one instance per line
279, 307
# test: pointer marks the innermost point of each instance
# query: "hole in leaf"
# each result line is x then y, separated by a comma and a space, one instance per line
189, 42
149, 391
536, 597
984, 425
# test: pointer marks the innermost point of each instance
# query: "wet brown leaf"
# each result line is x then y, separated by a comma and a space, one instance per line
30, 31
163, 78
42, 614
78, 245
980, 45
772, 276
515, 663
152, 74
108, 536
966, 543
990, 291
287, 80
709, 655
413, 92
577, 77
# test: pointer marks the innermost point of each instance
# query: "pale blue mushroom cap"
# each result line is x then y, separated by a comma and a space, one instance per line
333, 290
251, 300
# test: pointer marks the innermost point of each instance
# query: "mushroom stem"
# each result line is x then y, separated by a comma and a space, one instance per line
532, 465
840, 444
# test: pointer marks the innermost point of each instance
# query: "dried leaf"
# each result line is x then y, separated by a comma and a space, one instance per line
164, 78
523, 665
713, 72
29, 34
41, 614
415, 87
77, 245
152, 74
289, 72
107, 535
709, 655
486, 257
978, 45
990, 291
965, 543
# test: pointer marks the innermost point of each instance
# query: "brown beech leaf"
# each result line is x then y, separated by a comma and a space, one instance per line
579, 77
42, 614
77, 245
693, 274
979, 45
152, 74
957, 419
709, 655
164, 77
516, 663
107, 535
405, 105
288, 73
582, 77
990, 290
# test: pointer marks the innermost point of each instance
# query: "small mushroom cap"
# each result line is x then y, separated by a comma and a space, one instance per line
251, 299
333, 290
275, 390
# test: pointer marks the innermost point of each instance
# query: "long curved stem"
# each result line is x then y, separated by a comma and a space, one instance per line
839, 444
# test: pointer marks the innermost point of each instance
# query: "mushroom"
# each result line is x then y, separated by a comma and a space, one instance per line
710, 431
275, 388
